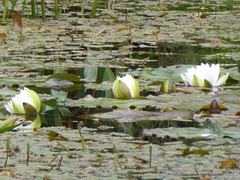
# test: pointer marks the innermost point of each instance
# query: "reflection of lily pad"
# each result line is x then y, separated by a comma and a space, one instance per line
65, 76
161, 74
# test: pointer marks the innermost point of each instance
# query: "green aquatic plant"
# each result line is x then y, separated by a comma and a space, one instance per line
94, 8
57, 10
13, 2
33, 7
5, 9
43, 9
7, 151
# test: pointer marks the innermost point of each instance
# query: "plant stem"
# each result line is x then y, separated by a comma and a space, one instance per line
43, 9
150, 158
33, 8
83, 7
5, 10
94, 7
60, 162
56, 7
82, 138
28, 150
7, 151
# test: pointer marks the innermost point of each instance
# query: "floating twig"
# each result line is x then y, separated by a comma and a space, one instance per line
55, 157
118, 163
196, 169
28, 156
150, 158
60, 162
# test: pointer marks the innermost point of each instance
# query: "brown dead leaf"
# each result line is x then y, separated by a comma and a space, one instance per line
17, 22
3, 37
139, 147
141, 160
229, 164
53, 135
163, 14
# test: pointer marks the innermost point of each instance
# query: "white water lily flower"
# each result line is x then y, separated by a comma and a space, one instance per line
16, 105
205, 75
32, 126
126, 87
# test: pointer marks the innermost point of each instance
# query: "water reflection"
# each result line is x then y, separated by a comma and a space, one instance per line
81, 114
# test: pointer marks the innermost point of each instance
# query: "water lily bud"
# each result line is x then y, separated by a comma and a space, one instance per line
213, 108
205, 75
27, 101
126, 87
168, 86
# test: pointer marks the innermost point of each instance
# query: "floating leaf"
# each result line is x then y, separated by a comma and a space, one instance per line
200, 152
141, 160
229, 164
139, 147
17, 22
66, 76
187, 151
53, 135
135, 116
3, 37
238, 113
163, 14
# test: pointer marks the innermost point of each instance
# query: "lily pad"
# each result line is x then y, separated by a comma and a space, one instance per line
135, 116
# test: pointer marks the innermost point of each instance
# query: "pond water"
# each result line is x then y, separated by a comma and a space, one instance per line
72, 58
148, 39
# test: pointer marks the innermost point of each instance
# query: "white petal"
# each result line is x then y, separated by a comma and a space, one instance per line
204, 72
213, 74
25, 96
132, 85
9, 107
222, 80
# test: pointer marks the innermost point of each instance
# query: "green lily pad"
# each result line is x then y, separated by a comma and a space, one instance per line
135, 116
65, 76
